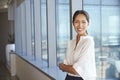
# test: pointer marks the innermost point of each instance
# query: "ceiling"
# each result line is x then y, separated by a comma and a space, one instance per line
3, 4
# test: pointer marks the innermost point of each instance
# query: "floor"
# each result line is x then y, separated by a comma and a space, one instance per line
4, 73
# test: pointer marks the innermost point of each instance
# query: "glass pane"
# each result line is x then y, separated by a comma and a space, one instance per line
62, 1
111, 2
44, 30
111, 25
63, 27
94, 25
111, 41
95, 31
91, 1
105, 26
33, 33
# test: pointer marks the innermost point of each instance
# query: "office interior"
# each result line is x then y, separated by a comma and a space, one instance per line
34, 36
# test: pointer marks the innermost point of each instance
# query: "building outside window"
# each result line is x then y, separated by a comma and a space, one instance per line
105, 26
62, 27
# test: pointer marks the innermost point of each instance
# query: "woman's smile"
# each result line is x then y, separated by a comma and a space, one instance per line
79, 29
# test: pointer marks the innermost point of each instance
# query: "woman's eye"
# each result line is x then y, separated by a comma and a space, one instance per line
76, 21
83, 22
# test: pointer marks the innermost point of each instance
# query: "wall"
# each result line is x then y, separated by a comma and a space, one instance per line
26, 71
3, 35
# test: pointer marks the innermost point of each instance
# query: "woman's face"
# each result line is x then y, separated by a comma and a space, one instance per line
80, 24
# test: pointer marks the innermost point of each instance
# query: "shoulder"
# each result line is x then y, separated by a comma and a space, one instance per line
88, 39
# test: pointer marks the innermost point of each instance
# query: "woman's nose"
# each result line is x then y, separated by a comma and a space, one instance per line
80, 24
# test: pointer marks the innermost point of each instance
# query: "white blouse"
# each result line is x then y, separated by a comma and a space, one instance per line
82, 57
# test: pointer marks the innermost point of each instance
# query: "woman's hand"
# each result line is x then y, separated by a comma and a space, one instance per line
67, 68
62, 66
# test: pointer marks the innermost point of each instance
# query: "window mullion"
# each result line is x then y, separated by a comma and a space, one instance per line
23, 28
38, 34
51, 33
28, 28
18, 30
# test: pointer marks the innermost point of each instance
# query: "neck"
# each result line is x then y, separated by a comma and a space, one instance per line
78, 37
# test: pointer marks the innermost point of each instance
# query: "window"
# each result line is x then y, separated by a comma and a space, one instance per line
111, 2
105, 26
110, 22
44, 30
92, 2
62, 27
32, 28
94, 26
29, 31
23, 28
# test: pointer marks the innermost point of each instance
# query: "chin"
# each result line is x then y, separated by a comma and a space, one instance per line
81, 34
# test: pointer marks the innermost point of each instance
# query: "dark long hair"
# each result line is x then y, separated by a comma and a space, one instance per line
81, 12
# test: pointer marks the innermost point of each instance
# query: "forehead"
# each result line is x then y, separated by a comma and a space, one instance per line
80, 16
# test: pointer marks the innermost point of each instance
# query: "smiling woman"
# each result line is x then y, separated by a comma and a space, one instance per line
80, 51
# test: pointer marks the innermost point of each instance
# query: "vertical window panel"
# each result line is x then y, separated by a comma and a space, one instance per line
63, 27
111, 25
32, 34
28, 28
94, 25
37, 29
23, 28
94, 30
110, 40
51, 32
18, 45
44, 30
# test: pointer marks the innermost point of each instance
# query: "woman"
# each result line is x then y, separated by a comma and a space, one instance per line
79, 62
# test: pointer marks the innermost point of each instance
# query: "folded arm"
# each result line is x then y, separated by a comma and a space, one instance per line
67, 68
